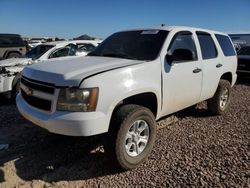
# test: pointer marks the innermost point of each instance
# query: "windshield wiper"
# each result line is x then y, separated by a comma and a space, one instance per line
118, 55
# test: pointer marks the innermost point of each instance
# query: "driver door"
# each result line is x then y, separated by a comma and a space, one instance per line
182, 77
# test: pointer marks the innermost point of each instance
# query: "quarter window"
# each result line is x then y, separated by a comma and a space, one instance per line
207, 45
225, 45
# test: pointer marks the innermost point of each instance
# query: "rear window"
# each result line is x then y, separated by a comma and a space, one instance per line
207, 45
225, 45
11, 42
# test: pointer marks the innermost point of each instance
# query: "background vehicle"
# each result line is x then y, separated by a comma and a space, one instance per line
244, 61
10, 68
127, 83
11, 45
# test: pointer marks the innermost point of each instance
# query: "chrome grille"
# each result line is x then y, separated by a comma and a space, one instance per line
37, 94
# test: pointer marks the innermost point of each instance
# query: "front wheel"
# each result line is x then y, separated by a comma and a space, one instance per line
135, 135
218, 105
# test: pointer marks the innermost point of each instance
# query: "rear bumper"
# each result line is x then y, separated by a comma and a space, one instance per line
65, 123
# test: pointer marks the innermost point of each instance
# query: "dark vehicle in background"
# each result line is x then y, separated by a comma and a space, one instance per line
240, 40
12, 46
244, 61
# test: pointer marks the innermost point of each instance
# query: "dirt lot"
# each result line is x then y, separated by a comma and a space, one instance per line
197, 150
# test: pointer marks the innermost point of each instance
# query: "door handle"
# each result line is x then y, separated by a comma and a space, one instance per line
196, 70
219, 65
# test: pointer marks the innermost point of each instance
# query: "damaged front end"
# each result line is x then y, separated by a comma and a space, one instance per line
7, 71
9, 77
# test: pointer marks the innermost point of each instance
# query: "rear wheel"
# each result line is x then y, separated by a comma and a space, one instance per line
219, 103
13, 55
134, 136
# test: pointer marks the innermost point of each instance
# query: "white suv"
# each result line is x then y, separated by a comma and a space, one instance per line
10, 69
127, 83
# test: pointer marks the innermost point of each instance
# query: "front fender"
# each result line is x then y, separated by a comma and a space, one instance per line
119, 84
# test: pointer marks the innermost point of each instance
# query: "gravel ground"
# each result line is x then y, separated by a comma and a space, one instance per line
196, 150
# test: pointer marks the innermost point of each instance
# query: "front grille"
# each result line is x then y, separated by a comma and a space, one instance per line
39, 99
37, 85
37, 102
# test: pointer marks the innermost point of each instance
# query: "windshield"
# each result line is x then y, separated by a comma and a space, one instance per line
38, 51
244, 51
139, 45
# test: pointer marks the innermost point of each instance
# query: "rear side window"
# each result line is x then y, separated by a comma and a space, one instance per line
11, 42
225, 45
207, 45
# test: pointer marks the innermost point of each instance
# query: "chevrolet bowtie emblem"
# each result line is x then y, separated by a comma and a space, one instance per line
28, 91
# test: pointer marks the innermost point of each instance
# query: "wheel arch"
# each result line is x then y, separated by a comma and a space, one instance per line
7, 53
227, 76
145, 99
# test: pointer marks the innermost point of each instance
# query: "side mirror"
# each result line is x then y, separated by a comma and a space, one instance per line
179, 55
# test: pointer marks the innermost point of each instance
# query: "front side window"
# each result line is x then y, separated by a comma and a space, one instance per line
226, 45
85, 47
207, 45
183, 45
138, 45
69, 50
38, 51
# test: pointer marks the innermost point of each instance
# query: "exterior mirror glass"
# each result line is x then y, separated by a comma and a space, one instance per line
179, 55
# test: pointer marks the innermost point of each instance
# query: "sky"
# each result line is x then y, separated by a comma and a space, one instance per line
101, 18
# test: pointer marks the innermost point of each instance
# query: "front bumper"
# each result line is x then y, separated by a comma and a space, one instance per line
65, 123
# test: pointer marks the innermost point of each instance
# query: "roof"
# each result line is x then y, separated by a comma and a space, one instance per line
9, 35
62, 43
245, 35
170, 28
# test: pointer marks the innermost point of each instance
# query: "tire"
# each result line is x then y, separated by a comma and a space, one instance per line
128, 121
13, 55
219, 104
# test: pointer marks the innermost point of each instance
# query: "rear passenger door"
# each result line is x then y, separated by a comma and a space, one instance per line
182, 77
211, 64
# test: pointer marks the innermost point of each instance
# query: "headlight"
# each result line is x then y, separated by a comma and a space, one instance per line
77, 100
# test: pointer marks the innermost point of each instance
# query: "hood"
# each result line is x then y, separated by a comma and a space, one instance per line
70, 71
15, 62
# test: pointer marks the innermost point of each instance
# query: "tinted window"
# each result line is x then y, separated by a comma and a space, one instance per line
38, 51
68, 50
140, 45
11, 42
225, 45
183, 40
244, 51
207, 45
85, 47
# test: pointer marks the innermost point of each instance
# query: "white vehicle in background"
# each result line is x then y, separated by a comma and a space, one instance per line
33, 44
10, 68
